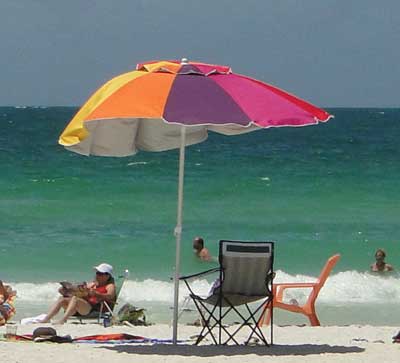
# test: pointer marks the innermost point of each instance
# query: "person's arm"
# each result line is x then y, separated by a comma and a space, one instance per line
3, 292
109, 296
91, 285
205, 255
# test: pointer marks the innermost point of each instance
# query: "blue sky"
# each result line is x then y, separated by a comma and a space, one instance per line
330, 52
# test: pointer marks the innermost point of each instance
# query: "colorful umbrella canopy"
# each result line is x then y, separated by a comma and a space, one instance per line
165, 105
138, 109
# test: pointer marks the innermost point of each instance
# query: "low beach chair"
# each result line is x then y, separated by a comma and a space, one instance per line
107, 311
308, 309
245, 276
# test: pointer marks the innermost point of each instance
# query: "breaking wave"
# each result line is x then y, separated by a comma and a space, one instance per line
342, 288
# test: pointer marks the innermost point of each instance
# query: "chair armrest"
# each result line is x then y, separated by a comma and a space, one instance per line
217, 269
278, 289
295, 284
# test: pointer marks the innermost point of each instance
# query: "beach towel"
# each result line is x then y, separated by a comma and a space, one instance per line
33, 319
121, 338
42, 334
49, 339
111, 338
118, 338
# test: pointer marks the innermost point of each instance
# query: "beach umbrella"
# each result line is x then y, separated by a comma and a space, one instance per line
164, 105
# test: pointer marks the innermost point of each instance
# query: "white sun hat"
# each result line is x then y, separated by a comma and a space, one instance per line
104, 268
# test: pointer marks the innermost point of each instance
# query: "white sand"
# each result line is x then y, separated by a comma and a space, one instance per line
291, 344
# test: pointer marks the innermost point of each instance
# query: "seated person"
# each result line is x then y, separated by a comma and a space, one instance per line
98, 291
200, 251
380, 265
7, 297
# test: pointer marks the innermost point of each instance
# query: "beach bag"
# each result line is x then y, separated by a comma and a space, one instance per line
132, 315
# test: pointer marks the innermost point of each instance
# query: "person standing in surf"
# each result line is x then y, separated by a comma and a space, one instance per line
200, 251
380, 265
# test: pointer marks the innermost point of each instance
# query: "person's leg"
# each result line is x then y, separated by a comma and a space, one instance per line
76, 305
3, 311
62, 302
3, 315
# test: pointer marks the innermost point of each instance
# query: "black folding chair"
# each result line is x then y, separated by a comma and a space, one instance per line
245, 276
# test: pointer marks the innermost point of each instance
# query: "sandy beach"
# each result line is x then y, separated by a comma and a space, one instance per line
226, 147
291, 344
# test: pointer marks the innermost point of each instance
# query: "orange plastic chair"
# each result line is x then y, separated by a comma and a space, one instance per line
308, 309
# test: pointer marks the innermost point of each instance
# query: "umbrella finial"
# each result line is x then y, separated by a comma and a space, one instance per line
184, 61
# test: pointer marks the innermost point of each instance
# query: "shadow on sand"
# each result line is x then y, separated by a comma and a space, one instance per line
212, 351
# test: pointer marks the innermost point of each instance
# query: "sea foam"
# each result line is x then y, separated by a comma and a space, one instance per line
349, 287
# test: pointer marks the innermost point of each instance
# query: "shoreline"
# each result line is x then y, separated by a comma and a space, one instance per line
362, 343
378, 314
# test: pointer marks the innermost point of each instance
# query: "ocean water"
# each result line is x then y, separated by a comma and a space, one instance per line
315, 191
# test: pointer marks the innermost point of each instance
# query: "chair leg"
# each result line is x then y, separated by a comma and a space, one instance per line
265, 316
314, 320
214, 319
255, 329
271, 317
253, 326
203, 310
184, 306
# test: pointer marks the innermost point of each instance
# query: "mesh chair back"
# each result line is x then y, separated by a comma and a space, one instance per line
246, 267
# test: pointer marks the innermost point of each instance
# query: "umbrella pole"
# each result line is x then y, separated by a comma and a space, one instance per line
178, 233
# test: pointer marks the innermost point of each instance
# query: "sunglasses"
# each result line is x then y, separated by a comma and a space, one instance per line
101, 273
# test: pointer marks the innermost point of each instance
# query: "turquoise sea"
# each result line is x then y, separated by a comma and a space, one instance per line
315, 191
